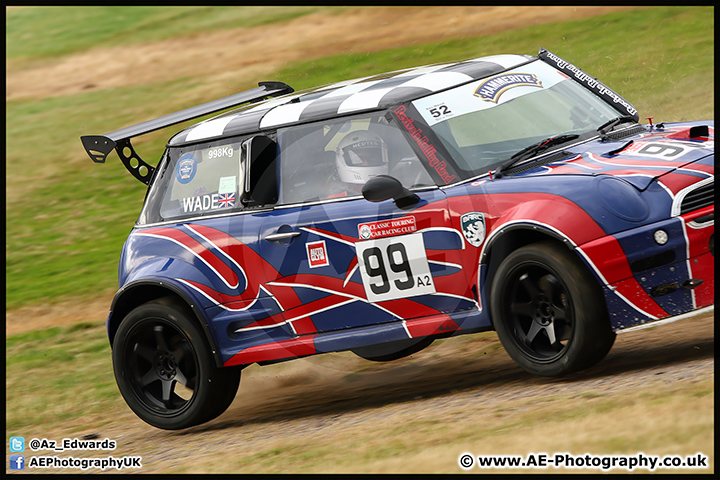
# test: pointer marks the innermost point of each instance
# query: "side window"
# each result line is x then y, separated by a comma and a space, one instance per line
203, 179
335, 159
261, 189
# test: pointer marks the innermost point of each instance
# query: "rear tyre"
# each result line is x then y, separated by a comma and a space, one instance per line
549, 311
165, 369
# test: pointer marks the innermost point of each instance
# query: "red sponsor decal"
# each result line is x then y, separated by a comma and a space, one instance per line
317, 254
387, 228
424, 143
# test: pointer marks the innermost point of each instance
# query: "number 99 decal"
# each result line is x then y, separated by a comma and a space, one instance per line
394, 267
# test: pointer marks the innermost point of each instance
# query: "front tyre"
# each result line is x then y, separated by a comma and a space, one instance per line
549, 311
165, 369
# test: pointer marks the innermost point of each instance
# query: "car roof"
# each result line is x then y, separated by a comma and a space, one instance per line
347, 97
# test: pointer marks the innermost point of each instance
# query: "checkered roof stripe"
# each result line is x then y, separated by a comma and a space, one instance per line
351, 96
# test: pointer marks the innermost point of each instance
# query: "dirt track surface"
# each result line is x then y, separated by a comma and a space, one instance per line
450, 382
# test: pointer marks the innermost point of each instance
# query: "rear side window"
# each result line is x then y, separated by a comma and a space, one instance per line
197, 180
202, 181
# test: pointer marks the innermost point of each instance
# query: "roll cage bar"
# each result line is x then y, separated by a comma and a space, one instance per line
98, 147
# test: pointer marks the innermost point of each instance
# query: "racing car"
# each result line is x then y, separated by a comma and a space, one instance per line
513, 193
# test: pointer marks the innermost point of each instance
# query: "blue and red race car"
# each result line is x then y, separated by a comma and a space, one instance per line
509, 192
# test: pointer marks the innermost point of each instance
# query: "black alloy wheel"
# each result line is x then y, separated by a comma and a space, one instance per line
549, 311
165, 370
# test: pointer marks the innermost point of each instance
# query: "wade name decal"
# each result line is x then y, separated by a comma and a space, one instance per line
201, 203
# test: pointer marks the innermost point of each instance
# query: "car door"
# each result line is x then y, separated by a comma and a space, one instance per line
335, 260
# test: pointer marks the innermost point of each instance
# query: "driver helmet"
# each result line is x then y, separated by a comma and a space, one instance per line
360, 156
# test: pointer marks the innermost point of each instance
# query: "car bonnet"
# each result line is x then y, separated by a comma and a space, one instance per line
686, 148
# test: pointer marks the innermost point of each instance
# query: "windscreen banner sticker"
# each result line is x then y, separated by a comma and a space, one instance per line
387, 228
491, 88
394, 267
317, 254
202, 203
186, 168
588, 81
473, 228
488, 92
423, 142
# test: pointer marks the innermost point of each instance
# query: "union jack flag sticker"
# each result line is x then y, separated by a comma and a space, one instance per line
226, 200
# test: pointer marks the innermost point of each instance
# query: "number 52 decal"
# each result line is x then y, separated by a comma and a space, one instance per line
394, 267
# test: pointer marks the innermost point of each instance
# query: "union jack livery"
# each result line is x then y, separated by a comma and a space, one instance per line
510, 193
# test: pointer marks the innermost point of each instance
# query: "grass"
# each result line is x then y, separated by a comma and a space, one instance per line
49, 373
661, 59
45, 32
67, 219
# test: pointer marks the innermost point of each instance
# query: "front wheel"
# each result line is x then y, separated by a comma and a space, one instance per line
549, 311
165, 370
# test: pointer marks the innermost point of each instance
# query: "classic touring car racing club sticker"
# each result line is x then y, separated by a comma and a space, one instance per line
491, 89
387, 228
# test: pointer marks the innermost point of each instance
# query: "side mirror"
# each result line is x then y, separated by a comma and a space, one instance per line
385, 187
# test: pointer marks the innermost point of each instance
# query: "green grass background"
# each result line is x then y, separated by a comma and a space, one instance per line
66, 218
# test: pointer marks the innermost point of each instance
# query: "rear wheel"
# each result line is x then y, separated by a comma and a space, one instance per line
165, 370
549, 311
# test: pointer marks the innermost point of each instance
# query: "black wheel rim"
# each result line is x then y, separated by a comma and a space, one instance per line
539, 312
162, 367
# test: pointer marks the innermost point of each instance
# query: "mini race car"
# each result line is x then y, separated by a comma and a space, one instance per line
508, 192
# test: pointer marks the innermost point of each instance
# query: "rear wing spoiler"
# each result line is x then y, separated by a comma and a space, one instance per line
589, 82
98, 147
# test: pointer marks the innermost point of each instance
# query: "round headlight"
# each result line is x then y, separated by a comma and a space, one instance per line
661, 237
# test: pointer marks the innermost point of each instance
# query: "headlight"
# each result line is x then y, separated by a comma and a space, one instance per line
661, 237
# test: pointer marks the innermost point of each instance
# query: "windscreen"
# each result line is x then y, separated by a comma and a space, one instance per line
485, 122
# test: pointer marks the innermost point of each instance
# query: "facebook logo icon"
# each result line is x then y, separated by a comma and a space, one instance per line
17, 462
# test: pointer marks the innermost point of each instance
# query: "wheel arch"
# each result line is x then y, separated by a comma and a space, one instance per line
509, 238
139, 292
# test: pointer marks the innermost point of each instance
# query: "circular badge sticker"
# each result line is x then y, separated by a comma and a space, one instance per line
186, 167
365, 232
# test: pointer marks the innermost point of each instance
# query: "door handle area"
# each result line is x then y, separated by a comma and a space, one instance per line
274, 237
